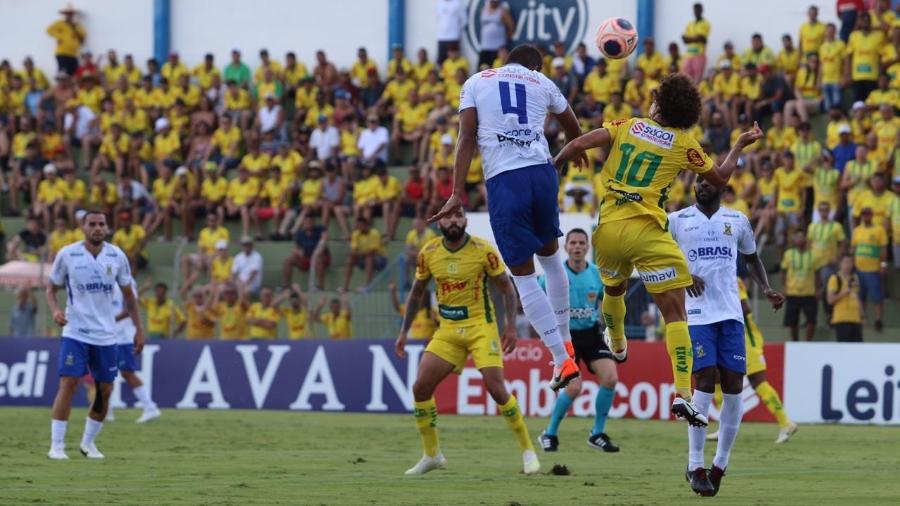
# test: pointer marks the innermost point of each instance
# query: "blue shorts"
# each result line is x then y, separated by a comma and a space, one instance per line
77, 359
126, 357
523, 209
719, 344
870, 287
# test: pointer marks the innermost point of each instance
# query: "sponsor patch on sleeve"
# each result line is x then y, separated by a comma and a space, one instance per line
695, 158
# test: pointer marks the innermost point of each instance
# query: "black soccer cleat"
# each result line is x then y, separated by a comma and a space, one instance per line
686, 410
715, 478
699, 481
548, 443
602, 442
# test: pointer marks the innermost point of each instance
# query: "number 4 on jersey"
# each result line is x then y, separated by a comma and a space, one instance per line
520, 109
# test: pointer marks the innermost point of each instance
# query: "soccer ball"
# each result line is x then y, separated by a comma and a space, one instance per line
616, 38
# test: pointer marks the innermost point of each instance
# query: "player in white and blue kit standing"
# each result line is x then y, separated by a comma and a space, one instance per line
88, 270
504, 110
126, 358
585, 293
711, 237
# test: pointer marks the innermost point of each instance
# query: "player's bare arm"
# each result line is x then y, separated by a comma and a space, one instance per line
722, 173
598, 138
697, 288
58, 315
465, 150
510, 308
758, 274
412, 307
131, 305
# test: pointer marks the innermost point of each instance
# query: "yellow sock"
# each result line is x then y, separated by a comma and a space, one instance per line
717, 395
426, 422
613, 307
770, 398
678, 342
513, 416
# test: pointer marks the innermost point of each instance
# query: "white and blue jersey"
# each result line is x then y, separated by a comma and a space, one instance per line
715, 319
126, 330
512, 104
89, 283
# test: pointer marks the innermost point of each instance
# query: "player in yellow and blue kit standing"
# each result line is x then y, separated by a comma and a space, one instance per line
585, 292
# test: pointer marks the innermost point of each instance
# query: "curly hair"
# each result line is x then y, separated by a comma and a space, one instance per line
678, 101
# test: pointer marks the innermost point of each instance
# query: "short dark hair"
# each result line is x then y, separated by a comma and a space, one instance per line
576, 231
161, 285
527, 56
91, 212
678, 101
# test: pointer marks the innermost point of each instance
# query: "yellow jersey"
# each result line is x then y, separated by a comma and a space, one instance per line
50, 192
214, 190
423, 325
367, 242
805, 152
812, 35
824, 241
389, 188
233, 320
220, 269
644, 160
57, 240
612, 113
807, 84
780, 138
825, 186
339, 325
653, 66
693, 29
163, 318
200, 324
397, 92
206, 241
130, 240
868, 242
297, 322
848, 309
228, 141
257, 163
242, 192
880, 204
831, 56
864, 50
310, 191
790, 185
411, 116
601, 87
69, 37
460, 278
75, 190
753, 338
417, 240
862, 172
270, 314
800, 270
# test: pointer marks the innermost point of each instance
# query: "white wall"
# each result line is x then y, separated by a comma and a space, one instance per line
340, 26
108, 22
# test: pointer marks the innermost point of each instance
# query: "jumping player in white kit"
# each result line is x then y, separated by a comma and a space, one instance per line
88, 270
504, 110
711, 238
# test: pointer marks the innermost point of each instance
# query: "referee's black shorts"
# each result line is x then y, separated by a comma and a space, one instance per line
589, 346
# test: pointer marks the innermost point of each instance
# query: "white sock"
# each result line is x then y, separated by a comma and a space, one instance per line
58, 433
729, 423
91, 429
557, 290
142, 395
109, 412
697, 435
539, 313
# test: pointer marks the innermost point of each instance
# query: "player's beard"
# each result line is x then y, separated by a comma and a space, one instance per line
453, 233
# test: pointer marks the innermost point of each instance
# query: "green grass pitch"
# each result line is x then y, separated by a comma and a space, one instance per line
248, 457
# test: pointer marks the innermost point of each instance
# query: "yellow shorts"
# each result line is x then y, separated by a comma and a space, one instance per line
639, 243
756, 361
454, 344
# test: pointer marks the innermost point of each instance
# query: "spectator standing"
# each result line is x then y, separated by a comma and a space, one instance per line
798, 276
812, 33
263, 316
451, 19
497, 26
164, 318
338, 318
247, 268
831, 59
237, 70
695, 36
843, 296
869, 244
366, 252
848, 11
862, 58
69, 35
23, 313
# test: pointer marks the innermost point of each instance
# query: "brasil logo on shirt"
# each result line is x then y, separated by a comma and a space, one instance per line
541, 22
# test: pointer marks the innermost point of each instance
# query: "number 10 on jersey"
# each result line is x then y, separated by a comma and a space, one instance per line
521, 108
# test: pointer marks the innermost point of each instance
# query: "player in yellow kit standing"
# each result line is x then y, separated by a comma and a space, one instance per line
461, 266
756, 373
645, 157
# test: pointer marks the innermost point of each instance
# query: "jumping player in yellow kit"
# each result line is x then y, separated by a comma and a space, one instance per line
645, 157
461, 266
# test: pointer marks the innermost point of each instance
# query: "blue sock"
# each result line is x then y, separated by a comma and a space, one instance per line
601, 405
559, 412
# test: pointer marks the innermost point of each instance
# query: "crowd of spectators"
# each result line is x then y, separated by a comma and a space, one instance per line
281, 147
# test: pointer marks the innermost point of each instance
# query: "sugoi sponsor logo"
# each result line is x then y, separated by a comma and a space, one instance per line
710, 253
653, 134
656, 277
537, 21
